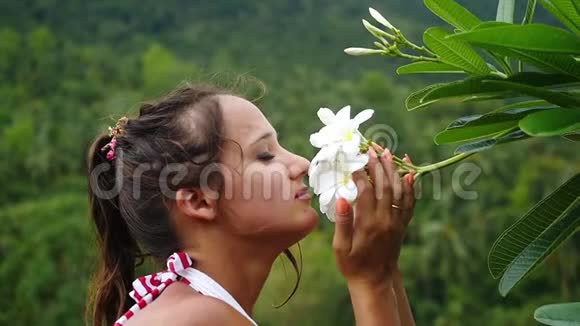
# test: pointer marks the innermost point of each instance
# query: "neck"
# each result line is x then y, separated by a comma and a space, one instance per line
240, 268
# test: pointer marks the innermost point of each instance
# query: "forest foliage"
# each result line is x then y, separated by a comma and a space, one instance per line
69, 69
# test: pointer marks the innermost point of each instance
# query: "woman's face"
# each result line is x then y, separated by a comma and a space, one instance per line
262, 179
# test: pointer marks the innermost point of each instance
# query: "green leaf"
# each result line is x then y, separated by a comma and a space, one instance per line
572, 137
428, 67
478, 89
453, 13
558, 98
552, 122
541, 247
414, 100
570, 9
467, 87
470, 133
567, 17
487, 86
505, 11
513, 241
481, 126
454, 52
534, 37
524, 104
485, 144
487, 97
559, 314
482, 119
549, 62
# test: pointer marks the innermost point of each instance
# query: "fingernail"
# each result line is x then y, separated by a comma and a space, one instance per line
342, 206
387, 155
372, 152
411, 178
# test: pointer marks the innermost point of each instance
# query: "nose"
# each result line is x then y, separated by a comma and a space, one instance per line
299, 168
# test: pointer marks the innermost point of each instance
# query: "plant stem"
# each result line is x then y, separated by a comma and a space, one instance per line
414, 57
404, 41
444, 163
498, 74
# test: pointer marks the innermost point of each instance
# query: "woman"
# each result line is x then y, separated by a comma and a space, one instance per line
199, 180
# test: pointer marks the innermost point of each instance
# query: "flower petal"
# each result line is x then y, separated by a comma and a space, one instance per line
326, 197
343, 114
326, 116
322, 161
363, 116
348, 191
325, 181
330, 211
357, 162
318, 140
352, 146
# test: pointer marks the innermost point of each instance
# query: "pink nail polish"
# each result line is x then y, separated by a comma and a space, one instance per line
387, 154
372, 152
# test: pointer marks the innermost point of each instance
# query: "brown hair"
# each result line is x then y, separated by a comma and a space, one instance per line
180, 128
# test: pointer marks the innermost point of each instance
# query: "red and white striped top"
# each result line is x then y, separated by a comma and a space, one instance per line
179, 267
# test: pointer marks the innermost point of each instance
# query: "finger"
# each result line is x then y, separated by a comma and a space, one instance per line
343, 227
379, 147
397, 186
365, 202
386, 199
364, 189
408, 203
376, 172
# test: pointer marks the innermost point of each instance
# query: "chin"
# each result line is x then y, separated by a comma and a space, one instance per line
308, 221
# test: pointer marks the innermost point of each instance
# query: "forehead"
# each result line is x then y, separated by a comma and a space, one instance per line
243, 121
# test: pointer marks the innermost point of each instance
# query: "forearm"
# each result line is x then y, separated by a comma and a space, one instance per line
374, 306
404, 309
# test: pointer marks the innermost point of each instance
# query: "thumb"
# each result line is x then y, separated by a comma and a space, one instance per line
343, 228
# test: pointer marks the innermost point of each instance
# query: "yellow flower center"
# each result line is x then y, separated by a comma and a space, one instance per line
345, 179
348, 136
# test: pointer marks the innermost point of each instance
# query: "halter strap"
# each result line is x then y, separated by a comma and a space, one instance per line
179, 265
147, 288
155, 283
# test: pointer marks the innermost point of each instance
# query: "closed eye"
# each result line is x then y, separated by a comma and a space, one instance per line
265, 156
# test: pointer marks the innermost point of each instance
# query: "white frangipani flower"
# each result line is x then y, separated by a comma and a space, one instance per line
380, 19
340, 129
330, 172
330, 176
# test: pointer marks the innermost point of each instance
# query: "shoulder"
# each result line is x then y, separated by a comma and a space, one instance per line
205, 310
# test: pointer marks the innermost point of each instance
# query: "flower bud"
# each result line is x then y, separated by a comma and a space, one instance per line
380, 19
375, 31
361, 51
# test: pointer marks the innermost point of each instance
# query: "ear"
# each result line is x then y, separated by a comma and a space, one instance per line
193, 203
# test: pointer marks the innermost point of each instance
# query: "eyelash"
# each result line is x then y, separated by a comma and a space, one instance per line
265, 156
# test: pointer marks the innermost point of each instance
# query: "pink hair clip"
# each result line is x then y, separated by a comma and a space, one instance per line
113, 133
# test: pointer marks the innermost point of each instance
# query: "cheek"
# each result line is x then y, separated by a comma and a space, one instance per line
262, 201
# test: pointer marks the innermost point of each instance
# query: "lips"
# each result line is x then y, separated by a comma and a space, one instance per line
303, 193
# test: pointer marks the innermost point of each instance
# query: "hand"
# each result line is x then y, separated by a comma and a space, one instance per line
367, 240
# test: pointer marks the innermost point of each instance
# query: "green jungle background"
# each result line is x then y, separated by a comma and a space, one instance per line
69, 69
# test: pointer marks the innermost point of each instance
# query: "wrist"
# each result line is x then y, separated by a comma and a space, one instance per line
368, 286
374, 303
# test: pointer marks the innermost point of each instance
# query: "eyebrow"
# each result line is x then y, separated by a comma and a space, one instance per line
264, 136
